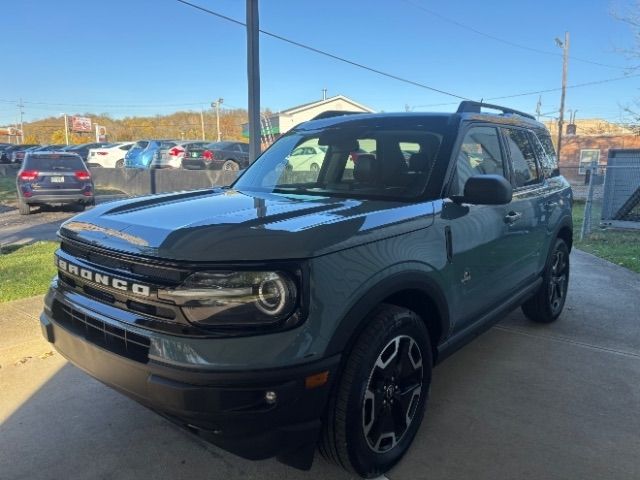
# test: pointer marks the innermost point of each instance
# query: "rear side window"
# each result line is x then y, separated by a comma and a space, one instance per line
126, 147
62, 163
479, 154
523, 158
141, 144
546, 154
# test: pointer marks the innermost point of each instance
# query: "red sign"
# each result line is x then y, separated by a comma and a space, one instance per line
81, 124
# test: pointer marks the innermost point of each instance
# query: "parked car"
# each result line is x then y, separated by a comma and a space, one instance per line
282, 313
111, 156
53, 147
17, 154
219, 155
143, 151
307, 158
53, 178
171, 156
83, 149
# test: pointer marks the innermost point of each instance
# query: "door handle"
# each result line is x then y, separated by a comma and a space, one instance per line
512, 217
551, 204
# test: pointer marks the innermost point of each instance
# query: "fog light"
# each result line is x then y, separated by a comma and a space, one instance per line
270, 397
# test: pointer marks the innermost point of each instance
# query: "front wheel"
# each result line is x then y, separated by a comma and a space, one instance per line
547, 304
380, 399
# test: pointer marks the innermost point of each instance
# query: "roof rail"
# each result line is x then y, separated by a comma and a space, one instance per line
469, 106
333, 113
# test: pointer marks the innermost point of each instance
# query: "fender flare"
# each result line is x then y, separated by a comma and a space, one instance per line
355, 320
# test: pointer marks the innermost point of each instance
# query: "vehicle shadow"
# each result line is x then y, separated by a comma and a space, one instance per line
74, 427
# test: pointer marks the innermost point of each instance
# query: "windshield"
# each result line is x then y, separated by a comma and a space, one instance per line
358, 161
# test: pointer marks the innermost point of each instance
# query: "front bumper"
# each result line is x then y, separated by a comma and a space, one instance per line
228, 409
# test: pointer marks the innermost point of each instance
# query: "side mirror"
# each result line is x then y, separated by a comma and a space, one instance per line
486, 190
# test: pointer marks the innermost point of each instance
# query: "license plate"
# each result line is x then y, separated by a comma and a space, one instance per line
194, 154
57, 179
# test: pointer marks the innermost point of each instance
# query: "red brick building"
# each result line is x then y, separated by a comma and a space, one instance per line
578, 151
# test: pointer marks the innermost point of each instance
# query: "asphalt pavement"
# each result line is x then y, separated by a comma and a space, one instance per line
42, 224
522, 401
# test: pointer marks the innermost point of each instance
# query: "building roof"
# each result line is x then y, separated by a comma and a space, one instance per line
594, 127
306, 106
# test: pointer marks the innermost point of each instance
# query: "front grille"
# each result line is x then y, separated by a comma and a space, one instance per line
149, 272
114, 339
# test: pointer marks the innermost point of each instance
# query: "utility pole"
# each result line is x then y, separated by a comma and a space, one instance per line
253, 74
21, 107
66, 129
202, 121
538, 107
565, 64
324, 94
216, 105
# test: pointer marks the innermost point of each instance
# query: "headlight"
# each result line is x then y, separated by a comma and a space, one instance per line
235, 298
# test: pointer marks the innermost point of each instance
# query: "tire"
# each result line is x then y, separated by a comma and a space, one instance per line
547, 304
314, 167
356, 438
79, 207
23, 207
230, 166
120, 163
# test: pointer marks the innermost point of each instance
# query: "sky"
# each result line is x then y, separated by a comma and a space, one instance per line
147, 57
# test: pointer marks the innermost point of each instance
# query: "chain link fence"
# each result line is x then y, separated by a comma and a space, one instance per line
606, 197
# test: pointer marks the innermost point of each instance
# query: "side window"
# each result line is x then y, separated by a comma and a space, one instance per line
523, 158
237, 148
479, 154
548, 160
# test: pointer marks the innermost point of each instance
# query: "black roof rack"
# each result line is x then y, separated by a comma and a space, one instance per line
333, 113
469, 106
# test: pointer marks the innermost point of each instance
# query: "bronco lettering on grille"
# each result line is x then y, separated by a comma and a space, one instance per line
101, 279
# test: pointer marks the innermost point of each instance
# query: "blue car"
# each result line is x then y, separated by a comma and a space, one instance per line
141, 154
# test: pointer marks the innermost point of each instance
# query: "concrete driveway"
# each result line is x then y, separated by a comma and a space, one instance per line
521, 401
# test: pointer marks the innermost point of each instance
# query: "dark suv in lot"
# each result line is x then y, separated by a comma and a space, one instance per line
53, 178
298, 308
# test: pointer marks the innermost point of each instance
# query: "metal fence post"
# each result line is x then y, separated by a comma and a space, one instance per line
586, 221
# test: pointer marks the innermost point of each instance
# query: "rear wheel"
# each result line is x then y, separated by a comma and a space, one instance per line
379, 402
547, 304
314, 167
230, 166
23, 207
120, 163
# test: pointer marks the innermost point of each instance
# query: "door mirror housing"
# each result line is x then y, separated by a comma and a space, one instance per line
486, 190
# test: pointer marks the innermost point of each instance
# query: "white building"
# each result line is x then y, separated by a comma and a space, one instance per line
282, 122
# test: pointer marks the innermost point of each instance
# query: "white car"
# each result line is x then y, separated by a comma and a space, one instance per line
306, 158
109, 157
170, 155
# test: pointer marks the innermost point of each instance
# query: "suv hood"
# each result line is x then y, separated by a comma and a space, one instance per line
227, 225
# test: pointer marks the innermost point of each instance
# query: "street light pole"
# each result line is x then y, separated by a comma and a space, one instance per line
565, 62
66, 129
202, 122
253, 74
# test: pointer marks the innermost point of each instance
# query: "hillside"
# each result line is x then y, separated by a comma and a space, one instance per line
177, 125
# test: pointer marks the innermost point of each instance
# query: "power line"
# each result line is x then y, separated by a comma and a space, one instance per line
509, 42
537, 92
325, 53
